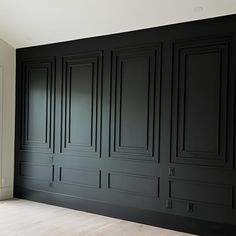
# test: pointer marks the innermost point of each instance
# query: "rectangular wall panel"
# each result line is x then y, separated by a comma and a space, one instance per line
128, 183
200, 132
37, 105
201, 192
80, 177
81, 110
135, 87
35, 171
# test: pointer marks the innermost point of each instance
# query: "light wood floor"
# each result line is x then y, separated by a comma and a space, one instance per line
25, 218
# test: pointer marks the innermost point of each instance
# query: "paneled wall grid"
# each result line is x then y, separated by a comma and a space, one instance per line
143, 120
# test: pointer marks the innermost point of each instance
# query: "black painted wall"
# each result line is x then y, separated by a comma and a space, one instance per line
144, 120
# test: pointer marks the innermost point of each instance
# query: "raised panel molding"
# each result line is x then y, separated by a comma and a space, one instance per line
36, 171
38, 99
200, 102
211, 194
83, 177
134, 184
135, 86
81, 110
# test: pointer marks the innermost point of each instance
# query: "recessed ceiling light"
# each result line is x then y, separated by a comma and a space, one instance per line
198, 9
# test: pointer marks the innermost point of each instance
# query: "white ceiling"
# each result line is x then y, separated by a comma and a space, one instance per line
33, 22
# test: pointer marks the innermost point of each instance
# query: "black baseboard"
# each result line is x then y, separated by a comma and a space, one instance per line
163, 220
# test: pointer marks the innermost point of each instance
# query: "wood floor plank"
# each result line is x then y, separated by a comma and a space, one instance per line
26, 218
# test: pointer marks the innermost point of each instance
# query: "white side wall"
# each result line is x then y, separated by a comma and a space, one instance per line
7, 118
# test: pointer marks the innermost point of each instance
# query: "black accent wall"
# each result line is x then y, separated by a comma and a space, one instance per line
142, 121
